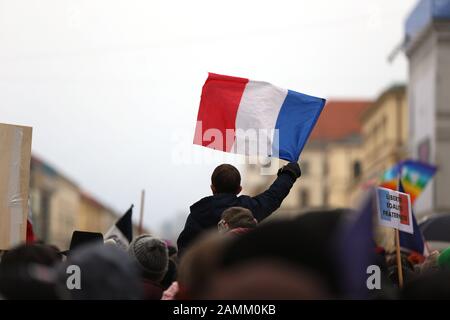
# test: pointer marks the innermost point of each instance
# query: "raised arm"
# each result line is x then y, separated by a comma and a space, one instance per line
270, 200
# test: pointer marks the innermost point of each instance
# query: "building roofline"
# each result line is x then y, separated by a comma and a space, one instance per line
57, 172
423, 14
86, 196
348, 100
393, 90
350, 140
352, 108
412, 43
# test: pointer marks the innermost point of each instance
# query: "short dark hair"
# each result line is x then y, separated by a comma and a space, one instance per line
26, 254
238, 217
226, 179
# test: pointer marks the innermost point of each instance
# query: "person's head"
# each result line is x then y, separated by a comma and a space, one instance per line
236, 217
199, 263
83, 238
226, 179
304, 243
29, 282
264, 280
105, 273
151, 255
27, 254
25, 272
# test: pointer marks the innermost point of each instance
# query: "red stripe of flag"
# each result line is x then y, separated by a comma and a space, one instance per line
221, 96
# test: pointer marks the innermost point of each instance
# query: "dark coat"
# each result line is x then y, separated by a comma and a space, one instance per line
206, 213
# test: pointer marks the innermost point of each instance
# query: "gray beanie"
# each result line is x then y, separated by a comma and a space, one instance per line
152, 256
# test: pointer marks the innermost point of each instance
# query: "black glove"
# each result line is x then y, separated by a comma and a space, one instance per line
292, 168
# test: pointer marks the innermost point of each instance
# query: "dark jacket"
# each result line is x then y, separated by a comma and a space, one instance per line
206, 213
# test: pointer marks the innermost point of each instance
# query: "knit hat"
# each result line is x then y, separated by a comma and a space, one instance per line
152, 256
444, 259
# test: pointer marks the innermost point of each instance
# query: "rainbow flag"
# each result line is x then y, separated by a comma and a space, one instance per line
415, 176
389, 179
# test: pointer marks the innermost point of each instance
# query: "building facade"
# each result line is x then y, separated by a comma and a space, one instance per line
55, 203
59, 206
427, 46
94, 216
385, 130
330, 162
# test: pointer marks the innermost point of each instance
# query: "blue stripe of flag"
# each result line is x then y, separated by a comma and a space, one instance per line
298, 116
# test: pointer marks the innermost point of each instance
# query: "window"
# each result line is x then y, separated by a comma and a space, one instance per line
356, 169
304, 198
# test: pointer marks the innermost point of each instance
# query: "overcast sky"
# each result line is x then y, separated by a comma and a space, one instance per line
112, 88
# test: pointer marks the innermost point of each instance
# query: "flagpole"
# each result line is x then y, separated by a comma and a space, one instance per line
397, 241
141, 218
399, 259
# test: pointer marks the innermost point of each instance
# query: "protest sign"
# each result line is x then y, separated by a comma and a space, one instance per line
394, 210
15, 158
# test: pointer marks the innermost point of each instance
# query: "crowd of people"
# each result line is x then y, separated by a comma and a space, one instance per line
224, 252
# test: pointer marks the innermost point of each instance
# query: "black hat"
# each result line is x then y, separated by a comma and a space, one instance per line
80, 238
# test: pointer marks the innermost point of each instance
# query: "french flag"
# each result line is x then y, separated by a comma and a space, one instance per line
249, 117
